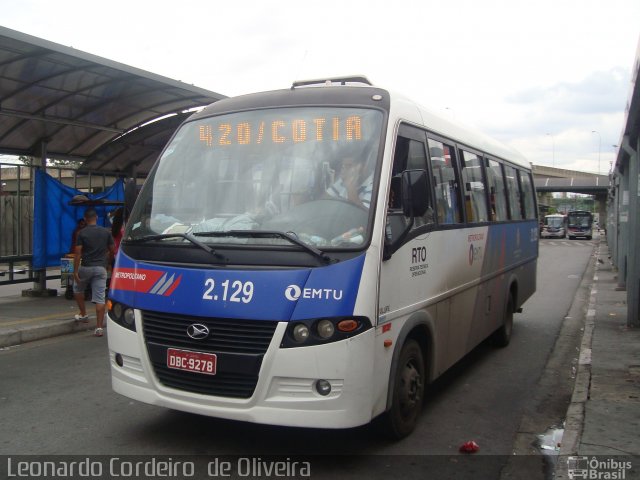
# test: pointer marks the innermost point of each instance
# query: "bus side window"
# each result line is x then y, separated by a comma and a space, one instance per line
528, 197
474, 188
395, 193
513, 188
417, 160
409, 154
497, 192
443, 161
396, 223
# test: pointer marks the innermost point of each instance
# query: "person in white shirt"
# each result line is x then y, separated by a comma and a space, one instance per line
353, 183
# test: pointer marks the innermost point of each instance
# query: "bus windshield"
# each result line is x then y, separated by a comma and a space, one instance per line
580, 219
307, 172
554, 221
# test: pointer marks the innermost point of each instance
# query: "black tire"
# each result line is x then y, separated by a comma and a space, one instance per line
502, 336
408, 392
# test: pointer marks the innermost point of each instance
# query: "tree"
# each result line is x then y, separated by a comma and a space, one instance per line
51, 162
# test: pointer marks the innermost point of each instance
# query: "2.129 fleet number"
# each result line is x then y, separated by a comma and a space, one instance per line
236, 291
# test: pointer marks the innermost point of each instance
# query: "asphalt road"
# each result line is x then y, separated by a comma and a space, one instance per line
56, 399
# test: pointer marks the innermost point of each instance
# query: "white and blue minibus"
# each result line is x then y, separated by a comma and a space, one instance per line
555, 225
315, 256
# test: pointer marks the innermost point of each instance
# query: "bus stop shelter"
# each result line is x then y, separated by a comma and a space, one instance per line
623, 222
57, 102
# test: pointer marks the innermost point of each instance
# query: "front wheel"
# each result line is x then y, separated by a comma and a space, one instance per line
408, 392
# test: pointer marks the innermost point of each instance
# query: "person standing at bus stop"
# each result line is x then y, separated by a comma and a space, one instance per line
94, 247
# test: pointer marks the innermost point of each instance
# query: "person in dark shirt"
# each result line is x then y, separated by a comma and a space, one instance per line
94, 244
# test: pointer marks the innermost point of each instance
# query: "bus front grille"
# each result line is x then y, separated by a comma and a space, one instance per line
238, 344
220, 385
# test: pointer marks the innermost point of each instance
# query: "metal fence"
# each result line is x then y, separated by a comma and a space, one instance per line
16, 214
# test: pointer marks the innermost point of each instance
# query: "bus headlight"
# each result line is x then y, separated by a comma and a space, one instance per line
325, 328
116, 309
122, 315
300, 332
317, 331
129, 318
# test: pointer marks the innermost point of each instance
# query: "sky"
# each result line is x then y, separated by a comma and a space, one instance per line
550, 78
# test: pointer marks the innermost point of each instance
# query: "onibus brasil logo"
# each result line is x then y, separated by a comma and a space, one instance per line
597, 469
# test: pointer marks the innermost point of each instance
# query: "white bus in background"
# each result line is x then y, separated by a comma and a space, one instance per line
258, 281
554, 226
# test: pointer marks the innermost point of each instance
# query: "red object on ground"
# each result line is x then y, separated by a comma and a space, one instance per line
469, 447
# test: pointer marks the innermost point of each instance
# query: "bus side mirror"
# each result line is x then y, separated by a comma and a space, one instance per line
415, 193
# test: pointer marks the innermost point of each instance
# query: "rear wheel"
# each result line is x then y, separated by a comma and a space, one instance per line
408, 392
502, 336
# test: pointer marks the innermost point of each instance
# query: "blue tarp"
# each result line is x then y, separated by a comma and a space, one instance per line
55, 219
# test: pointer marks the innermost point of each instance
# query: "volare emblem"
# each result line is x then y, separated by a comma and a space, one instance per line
197, 331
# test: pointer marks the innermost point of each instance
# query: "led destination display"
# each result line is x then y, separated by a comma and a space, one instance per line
281, 131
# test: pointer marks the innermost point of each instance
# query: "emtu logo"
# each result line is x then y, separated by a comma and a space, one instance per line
294, 292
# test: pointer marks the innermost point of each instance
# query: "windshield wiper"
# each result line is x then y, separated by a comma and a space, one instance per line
186, 236
268, 234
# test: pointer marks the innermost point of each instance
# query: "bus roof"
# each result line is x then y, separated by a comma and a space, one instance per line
356, 92
460, 132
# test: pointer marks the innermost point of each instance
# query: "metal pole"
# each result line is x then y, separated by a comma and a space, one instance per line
40, 276
40, 282
19, 250
599, 147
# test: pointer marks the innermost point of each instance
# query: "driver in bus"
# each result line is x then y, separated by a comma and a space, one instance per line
353, 183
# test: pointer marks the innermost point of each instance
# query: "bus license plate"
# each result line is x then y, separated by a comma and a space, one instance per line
189, 361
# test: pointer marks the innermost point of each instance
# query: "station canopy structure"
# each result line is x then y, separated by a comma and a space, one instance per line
77, 106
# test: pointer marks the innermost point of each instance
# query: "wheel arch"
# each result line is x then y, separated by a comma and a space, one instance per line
418, 327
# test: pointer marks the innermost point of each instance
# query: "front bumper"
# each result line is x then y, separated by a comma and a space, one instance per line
285, 392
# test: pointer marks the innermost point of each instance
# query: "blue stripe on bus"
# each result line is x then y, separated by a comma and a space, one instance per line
282, 295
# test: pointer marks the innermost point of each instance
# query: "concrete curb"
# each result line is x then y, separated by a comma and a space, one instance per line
10, 337
574, 421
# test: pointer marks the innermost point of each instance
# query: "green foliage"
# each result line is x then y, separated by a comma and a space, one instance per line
31, 161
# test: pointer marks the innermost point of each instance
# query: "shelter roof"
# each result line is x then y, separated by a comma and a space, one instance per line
79, 103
